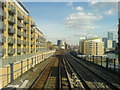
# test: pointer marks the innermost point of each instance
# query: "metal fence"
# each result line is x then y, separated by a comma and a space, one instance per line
102, 61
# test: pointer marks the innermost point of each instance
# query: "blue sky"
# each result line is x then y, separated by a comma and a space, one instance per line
71, 20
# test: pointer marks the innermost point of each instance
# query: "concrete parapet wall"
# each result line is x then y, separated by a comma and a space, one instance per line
12, 71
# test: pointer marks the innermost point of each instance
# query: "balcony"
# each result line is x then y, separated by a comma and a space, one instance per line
32, 49
3, 52
37, 50
21, 41
3, 39
4, 15
3, 5
32, 36
20, 17
11, 30
26, 21
19, 32
24, 42
4, 28
11, 40
32, 30
32, 43
11, 9
19, 50
25, 28
19, 24
11, 19
33, 25
24, 34
18, 41
11, 51
37, 44
24, 50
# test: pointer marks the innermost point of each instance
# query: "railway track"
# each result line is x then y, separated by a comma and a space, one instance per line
64, 82
53, 76
44, 75
89, 78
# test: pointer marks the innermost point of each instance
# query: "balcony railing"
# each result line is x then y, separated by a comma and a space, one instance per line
19, 32
20, 17
24, 50
33, 36
37, 39
3, 52
11, 51
19, 50
3, 28
3, 4
11, 30
24, 42
3, 39
19, 41
32, 43
32, 49
19, 24
24, 34
32, 30
25, 28
11, 40
33, 25
37, 44
11, 9
11, 19
26, 21
4, 15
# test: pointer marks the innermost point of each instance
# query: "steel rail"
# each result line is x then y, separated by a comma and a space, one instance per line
66, 71
99, 76
40, 75
80, 76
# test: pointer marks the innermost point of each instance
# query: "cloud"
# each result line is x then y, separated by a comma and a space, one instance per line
82, 21
86, 34
104, 8
109, 12
79, 8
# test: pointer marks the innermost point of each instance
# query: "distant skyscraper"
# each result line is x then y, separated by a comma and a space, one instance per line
110, 35
114, 43
109, 43
105, 42
59, 42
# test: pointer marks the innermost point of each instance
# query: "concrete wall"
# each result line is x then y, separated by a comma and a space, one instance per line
14, 70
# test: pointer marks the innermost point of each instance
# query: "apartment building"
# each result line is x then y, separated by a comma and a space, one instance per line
19, 32
92, 46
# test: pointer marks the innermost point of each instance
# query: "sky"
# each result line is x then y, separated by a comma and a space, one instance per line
70, 21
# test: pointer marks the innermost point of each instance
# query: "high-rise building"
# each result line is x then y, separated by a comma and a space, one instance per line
114, 44
19, 32
110, 35
92, 46
109, 43
61, 44
105, 42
